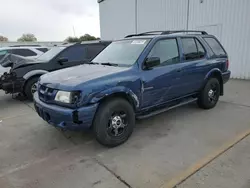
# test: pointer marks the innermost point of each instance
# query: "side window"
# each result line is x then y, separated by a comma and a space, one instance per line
74, 53
200, 48
23, 52
94, 50
42, 49
215, 46
193, 50
167, 51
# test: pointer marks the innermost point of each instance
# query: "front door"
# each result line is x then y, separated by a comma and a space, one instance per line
161, 83
74, 55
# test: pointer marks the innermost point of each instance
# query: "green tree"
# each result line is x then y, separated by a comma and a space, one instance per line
28, 37
72, 39
3, 39
86, 37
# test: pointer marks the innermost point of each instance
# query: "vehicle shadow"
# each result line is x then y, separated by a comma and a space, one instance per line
153, 127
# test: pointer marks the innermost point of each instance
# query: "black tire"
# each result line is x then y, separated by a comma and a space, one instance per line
210, 94
28, 87
104, 130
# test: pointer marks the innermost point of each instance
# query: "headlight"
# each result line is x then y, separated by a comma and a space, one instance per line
63, 96
68, 97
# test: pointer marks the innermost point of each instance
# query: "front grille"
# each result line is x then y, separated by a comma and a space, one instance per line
46, 94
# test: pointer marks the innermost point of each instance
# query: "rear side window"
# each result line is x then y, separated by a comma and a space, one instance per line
94, 50
167, 51
22, 52
42, 49
215, 46
74, 53
193, 50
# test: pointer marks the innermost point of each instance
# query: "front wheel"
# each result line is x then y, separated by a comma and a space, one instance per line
210, 94
114, 122
31, 87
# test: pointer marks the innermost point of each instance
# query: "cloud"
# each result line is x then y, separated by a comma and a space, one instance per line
76, 7
49, 19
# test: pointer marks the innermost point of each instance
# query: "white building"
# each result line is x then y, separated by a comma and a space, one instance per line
228, 20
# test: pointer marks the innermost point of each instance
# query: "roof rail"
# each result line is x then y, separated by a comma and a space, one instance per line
184, 31
146, 33
166, 33
26, 45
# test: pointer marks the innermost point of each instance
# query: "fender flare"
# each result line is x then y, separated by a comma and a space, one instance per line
34, 73
117, 90
215, 72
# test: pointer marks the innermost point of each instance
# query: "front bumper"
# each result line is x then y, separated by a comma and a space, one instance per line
226, 76
65, 118
11, 84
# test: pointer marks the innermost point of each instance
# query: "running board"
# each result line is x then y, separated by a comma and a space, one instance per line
153, 113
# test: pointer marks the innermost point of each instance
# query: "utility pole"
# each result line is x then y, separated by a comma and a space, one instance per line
74, 31
188, 7
136, 17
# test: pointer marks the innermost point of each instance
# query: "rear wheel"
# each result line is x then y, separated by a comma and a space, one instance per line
209, 96
114, 122
31, 87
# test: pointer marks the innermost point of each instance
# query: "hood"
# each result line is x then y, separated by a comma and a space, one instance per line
72, 77
15, 61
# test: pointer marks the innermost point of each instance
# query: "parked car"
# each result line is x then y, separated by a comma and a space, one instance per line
9, 59
136, 77
31, 52
24, 74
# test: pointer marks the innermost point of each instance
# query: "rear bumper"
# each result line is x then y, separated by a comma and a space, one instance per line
65, 118
226, 76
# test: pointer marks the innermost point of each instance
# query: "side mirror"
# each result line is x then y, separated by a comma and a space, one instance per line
152, 62
62, 60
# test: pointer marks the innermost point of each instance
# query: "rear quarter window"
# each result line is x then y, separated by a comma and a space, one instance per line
215, 46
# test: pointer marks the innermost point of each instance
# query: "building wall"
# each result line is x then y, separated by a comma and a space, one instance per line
117, 18
228, 20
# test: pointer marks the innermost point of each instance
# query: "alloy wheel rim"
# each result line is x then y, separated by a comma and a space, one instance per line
117, 124
212, 93
34, 88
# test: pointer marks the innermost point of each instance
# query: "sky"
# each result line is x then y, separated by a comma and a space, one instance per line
49, 20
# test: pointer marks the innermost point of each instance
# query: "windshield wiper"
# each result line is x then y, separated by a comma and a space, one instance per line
110, 64
91, 63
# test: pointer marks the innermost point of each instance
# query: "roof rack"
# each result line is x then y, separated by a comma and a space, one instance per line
166, 33
27, 45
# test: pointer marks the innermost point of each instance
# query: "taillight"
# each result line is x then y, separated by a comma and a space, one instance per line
227, 64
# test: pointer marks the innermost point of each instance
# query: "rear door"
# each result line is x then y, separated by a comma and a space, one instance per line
194, 65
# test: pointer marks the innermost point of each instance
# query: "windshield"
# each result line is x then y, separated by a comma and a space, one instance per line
122, 53
3, 52
50, 54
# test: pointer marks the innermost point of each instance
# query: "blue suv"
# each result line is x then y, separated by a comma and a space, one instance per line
133, 78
